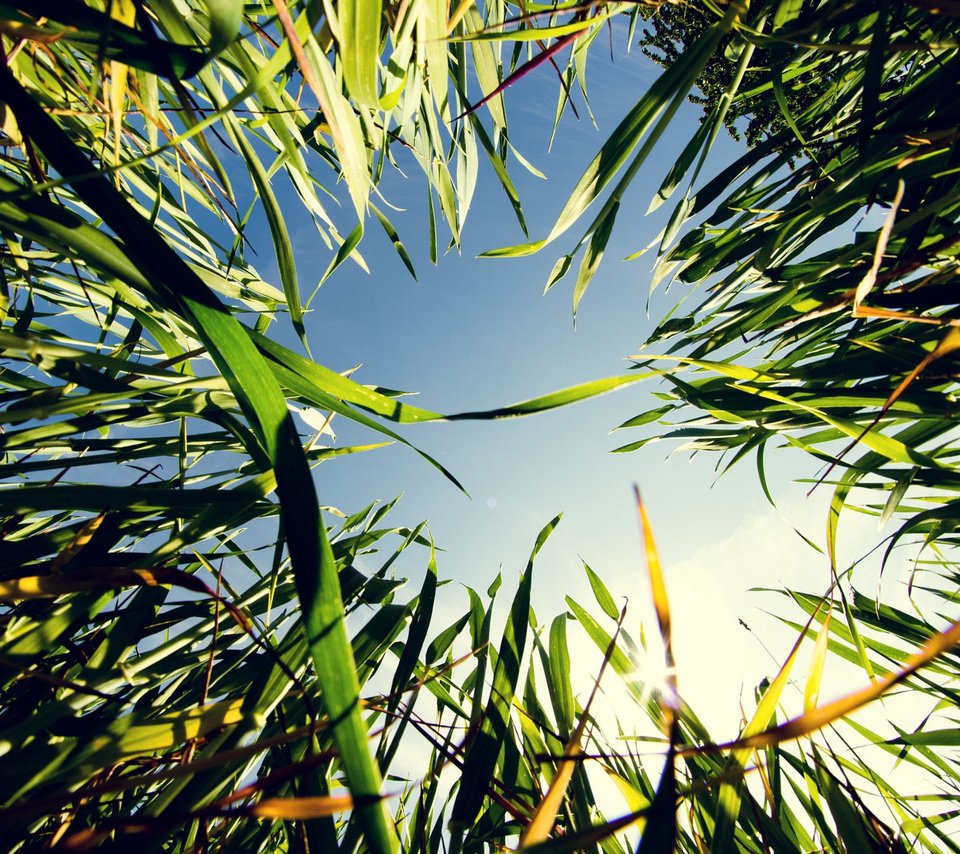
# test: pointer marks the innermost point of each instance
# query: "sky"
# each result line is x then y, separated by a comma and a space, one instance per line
475, 333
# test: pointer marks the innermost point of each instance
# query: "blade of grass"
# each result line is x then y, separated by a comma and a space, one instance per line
482, 753
660, 833
359, 39
545, 815
263, 402
824, 715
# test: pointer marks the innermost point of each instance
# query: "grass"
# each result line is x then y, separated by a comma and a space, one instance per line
195, 657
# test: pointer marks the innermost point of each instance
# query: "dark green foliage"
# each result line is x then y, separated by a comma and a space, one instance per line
192, 658
671, 30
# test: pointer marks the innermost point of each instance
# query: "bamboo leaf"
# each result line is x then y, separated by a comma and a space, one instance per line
558, 676
482, 753
600, 591
226, 18
811, 692
299, 809
359, 40
262, 401
545, 814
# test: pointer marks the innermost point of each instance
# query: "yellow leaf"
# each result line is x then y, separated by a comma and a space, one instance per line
124, 11
636, 800
822, 716
729, 795
80, 539
300, 809
124, 739
661, 606
812, 691
545, 815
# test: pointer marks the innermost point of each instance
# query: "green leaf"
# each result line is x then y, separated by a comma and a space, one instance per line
621, 663
262, 401
558, 677
483, 751
593, 255
226, 17
278, 230
359, 40
604, 599
564, 397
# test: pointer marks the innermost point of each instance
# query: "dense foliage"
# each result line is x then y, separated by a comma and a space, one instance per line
191, 658
674, 28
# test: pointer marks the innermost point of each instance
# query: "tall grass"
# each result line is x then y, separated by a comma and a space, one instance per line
195, 657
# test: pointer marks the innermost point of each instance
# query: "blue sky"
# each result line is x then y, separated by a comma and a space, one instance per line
477, 333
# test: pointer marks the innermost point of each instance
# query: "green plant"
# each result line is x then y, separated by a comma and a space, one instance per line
124, 344
192, 653
673, 28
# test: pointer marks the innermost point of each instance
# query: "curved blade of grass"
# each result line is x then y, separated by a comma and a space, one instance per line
283, 247
482, 753
359, 39
261, 399
729, 799
822, 716
545, 815
563, 397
